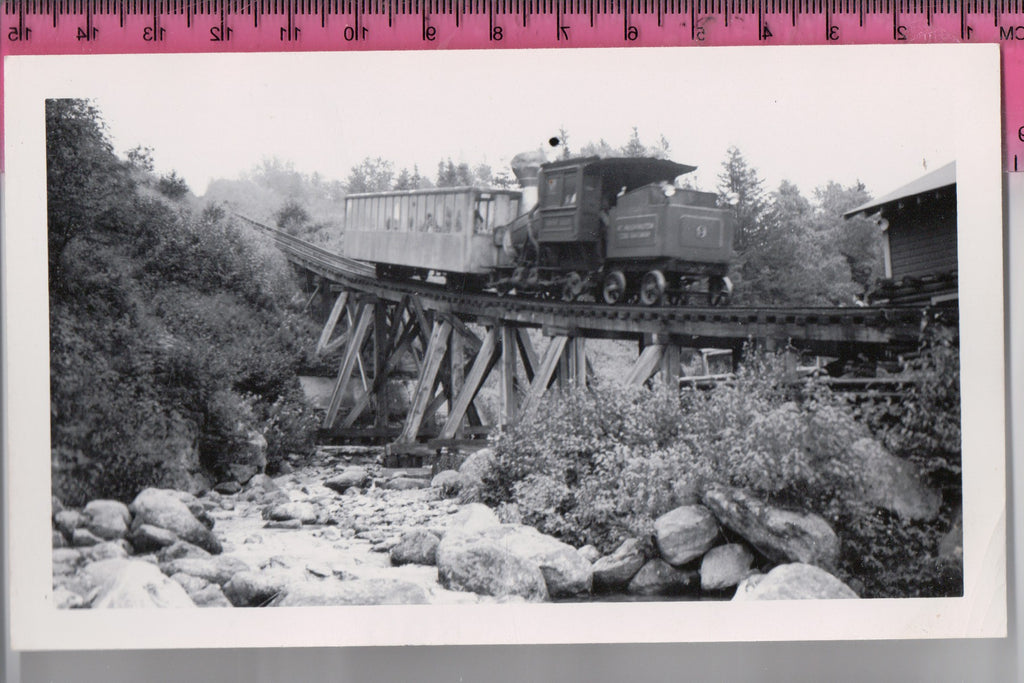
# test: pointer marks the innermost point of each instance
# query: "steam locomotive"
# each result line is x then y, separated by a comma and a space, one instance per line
611, 229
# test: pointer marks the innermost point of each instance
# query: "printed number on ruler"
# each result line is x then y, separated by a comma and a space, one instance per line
133, 26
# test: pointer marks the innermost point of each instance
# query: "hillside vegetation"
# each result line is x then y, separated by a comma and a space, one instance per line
175, 334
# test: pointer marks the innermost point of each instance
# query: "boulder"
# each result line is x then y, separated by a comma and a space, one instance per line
218, 570
58, 540
477, 465
658, 577
255, 589
147, 538
108, 550
108, 519
202, 592
306, 513
780, 535
64, 598
565, 573
892, 483
406, 484
352, 476
416, 547
262, 481
331, 592
614, 572
284, 524
164, 508
137, 584
55, 505
69, 520
725, 566
67, 560
82, 537
228, 488
686, 533
589, 553
450, 482
210, 596
180, 549
477, 564
795, 581
473, 517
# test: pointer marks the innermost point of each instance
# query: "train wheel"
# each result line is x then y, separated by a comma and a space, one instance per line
652, 288
719, 291
572, 286
614, 288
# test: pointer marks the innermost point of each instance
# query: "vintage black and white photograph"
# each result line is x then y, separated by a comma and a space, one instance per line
474, 341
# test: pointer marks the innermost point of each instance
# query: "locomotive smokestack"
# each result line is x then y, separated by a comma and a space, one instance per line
526, 167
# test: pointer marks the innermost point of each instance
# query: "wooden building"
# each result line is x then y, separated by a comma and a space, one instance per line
919, 224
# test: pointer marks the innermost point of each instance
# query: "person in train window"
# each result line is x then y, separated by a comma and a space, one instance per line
431, 224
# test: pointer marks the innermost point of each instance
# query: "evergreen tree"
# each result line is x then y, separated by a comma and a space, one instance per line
740, 186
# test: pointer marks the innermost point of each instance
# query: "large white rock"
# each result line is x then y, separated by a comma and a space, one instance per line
473, 517
164, 508
306, 513
893, 483
725, 566
796, 581
255, 589
416, 547
218, 570
352, 476
780, 535
685, 533
108, 519
473, 562
136, 584
69, 520
477, 466
331, 592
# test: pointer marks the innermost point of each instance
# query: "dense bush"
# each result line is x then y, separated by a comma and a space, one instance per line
173, 336
599, 466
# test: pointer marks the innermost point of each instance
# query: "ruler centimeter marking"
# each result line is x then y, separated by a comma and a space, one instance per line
169, 26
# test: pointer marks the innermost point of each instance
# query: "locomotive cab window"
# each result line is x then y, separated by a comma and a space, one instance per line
560, 189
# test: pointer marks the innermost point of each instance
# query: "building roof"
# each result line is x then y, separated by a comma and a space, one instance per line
939, 178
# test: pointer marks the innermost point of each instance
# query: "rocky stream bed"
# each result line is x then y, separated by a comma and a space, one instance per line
335, 532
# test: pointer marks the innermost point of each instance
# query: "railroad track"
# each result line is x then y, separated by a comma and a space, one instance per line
818, 329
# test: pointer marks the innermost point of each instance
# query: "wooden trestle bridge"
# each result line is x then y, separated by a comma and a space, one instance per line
379, 325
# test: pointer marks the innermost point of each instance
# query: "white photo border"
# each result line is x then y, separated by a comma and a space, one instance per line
969, 74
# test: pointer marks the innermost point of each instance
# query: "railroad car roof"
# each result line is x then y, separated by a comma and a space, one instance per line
630, 172
937, 179
437, 190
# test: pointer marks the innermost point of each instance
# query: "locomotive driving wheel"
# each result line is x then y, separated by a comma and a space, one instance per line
652, 288
572, 287
614, 288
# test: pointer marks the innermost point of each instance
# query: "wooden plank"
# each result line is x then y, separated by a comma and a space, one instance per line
456, 375
436, 347
421, 319
474, 379
381, 344
348, 361
670, 365
472, 341
393, 360
645, 365
332, 321
579, 358
544, 374
508, 374
527, 353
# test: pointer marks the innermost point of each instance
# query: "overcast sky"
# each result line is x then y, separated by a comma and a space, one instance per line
808, 115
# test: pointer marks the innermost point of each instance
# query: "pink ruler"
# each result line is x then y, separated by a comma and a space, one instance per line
144, 26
